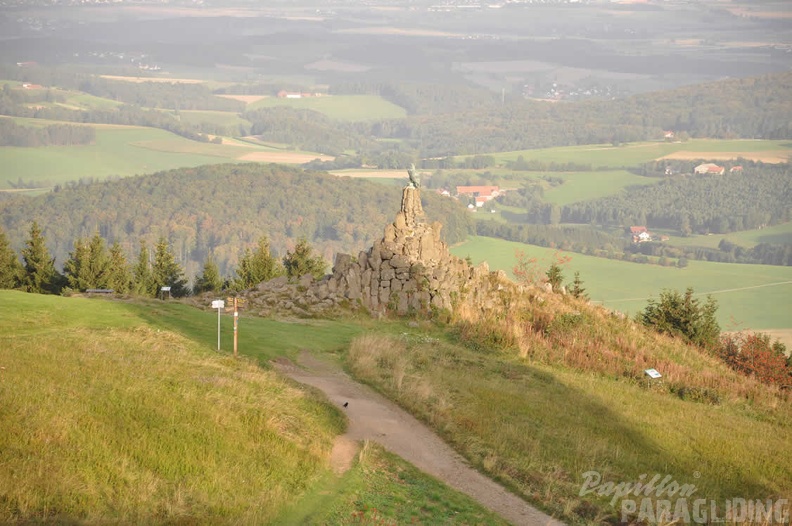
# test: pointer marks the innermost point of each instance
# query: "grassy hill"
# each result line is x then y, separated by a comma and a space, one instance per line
117, 412
749, 296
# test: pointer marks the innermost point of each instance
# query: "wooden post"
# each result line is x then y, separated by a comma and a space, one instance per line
236, 326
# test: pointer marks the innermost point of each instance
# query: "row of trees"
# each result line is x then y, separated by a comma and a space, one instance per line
93, 266
12, 134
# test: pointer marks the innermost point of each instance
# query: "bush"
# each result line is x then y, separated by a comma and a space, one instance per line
754, 355
683, 316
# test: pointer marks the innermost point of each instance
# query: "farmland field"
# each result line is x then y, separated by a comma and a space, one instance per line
749, 296
581, 186
609, 156
124, 151
222, 118
780, 234
352, 108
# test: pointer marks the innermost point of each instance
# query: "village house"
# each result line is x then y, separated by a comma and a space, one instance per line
709, 169
480, 194
640, 234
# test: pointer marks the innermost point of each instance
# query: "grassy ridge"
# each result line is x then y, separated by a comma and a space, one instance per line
117, 412
626, 286
105, 418
538, 422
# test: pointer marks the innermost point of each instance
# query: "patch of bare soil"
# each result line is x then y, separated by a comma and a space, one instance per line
374, 174
282, 157
247, 99
373, 417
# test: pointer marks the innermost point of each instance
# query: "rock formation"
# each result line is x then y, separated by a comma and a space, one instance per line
409, 270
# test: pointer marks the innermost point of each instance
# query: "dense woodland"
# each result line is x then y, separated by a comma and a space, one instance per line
757, 196
221, 209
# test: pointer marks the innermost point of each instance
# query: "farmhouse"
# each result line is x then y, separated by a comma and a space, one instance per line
709, 169
283, 94
735, 169
480, 194
640, 234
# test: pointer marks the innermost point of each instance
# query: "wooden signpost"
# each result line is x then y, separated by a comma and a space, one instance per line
237, 302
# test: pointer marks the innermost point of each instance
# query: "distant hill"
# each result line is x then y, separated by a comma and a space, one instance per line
221, 209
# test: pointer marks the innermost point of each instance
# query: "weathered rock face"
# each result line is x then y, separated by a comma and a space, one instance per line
409, 270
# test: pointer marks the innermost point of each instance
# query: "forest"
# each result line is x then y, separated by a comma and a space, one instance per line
219, 210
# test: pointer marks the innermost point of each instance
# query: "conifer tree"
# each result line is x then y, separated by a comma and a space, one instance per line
166, 272
76, 266
39, 273
119, 278
142, 276
301, 261
10, 267
257, 265
576, 290
209, 280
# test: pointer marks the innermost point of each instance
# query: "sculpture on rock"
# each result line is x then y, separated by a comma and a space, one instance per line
415, 179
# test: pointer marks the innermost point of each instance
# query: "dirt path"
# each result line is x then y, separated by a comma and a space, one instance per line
373, 417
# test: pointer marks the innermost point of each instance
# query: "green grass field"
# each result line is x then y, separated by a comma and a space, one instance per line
749, 296
633, 154
123, 412
780, 234
118, 151
222, 118
352, 108
582, 186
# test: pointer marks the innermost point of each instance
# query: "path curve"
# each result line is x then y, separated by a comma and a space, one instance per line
374, 417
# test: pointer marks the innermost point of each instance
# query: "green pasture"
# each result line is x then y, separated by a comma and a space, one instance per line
633, 154
221, 118
749, 296
351, 108
582, 186
778, 234
141, 420
120, 151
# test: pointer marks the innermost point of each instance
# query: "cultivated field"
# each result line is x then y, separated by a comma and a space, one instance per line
350, 108
124, 151
633, 154
779, 234
582, 186
749, 296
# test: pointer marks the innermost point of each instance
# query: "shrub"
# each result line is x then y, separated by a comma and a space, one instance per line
754, 355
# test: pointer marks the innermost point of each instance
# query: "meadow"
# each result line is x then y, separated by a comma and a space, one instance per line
124, 151
779, 234
749, 296
351, 108
140, 420
582, 186
604, 156
539, 427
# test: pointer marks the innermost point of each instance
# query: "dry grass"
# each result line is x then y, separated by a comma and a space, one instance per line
542, 388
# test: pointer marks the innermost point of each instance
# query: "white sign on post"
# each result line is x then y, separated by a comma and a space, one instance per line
219, 305
652, 373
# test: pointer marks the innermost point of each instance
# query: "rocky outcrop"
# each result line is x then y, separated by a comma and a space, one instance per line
409, 270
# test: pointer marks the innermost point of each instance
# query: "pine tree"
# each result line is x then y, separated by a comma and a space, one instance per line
166, 272
257, 266
39, 274
576, 290
301, 261
76, 266
555, 276
10, 267
143, 279
119, 278
209, 280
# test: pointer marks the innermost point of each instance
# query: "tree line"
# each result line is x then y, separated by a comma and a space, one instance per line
12, 134
93, 267
219, 210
